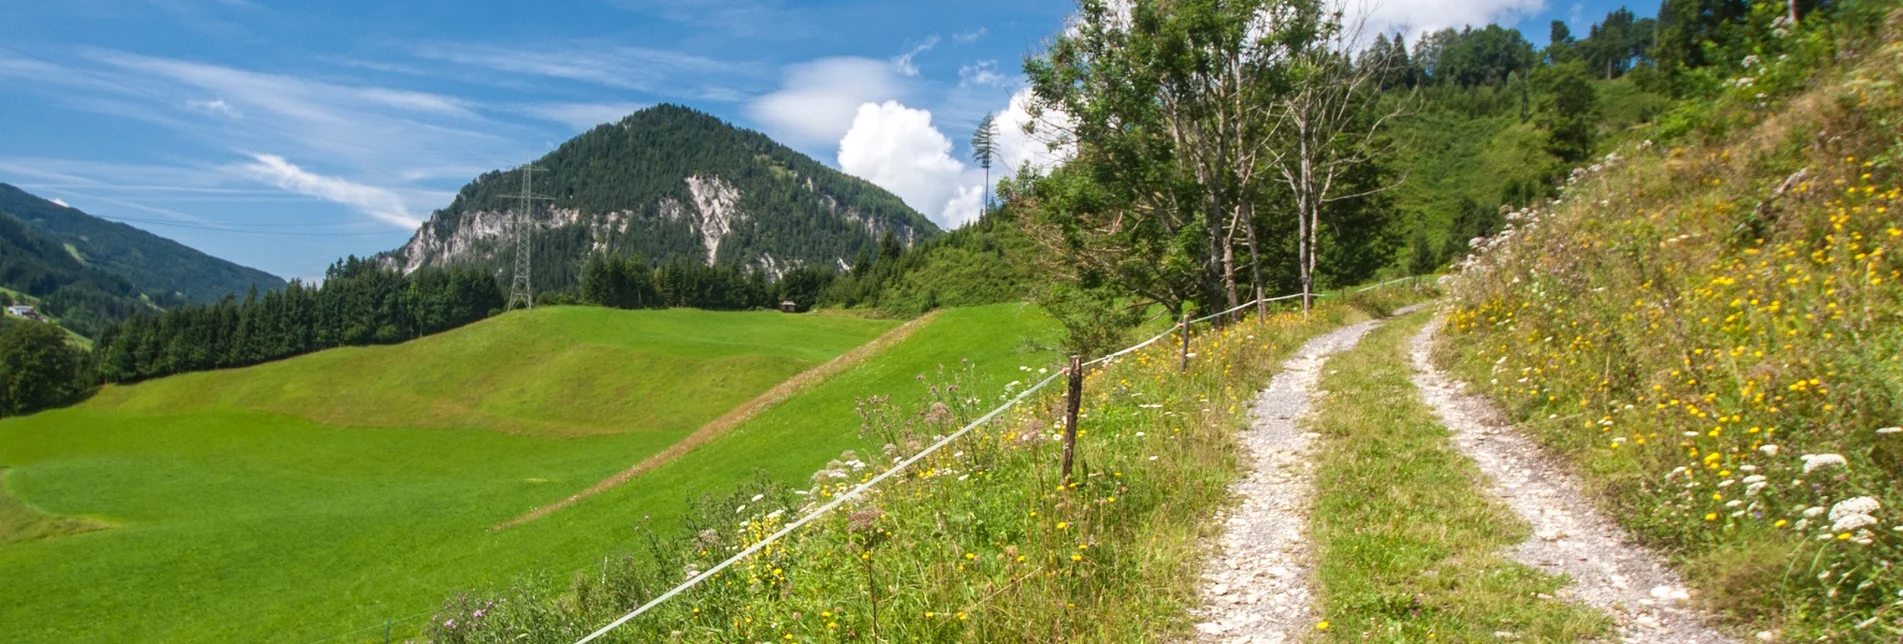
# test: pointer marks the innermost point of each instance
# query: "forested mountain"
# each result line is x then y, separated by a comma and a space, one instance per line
156, 266
669, 183
40, 272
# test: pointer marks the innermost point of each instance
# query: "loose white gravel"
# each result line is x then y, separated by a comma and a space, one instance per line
1609, 571
1257, 589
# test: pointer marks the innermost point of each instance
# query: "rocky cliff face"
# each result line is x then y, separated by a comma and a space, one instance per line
668, 184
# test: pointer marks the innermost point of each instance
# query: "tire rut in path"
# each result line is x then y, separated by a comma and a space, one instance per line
1258, 588
1609, 571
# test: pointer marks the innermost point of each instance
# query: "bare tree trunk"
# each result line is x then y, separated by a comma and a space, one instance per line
1255, 258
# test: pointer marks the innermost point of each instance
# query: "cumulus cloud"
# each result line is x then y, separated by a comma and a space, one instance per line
1414, 17
381, 204
904, 62
897, 148
819, 100
1042, 148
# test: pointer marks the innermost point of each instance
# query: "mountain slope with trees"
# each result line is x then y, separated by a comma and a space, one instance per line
82, 298
158, 267
668, 183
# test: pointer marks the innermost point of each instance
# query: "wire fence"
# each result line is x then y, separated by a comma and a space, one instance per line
856, 491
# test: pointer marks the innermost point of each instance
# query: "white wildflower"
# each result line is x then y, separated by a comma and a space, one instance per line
1852, 522
1813, 511
1734, 503
757, 497
1769, 450
1858, 505
1891, 430
1814, 462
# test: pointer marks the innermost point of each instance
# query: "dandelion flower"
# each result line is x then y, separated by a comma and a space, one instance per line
1322, 625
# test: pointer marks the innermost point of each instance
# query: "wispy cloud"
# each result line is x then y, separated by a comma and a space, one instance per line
582, 116
384, 205
968, 37
819, 99
904, 61
656, 71
984, 72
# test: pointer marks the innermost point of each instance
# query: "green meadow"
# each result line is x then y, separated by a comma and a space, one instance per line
309, 498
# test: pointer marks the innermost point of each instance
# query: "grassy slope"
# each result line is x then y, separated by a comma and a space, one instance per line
560, 371
240, 520
1698, 318
1410, 543
976, 542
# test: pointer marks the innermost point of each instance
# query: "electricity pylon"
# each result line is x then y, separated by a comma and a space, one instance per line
521, 289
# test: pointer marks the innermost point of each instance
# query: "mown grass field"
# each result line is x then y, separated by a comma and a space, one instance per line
302, 499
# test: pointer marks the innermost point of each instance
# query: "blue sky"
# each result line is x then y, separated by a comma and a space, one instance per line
285, 135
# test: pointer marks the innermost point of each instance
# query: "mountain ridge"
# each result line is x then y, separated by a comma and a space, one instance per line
669, 183
154, 265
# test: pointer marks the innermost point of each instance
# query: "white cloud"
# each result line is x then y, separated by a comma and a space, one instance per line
1043, 148
984, 72
384, 205
1414, 17
904, 62
218, 106
583, 116
968, 37
659, 71
897, 148
817, 103
60, 202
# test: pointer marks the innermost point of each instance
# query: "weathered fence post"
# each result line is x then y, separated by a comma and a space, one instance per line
1186, 340
1076, 401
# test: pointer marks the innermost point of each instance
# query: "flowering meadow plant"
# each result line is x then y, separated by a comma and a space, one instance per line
1715, 334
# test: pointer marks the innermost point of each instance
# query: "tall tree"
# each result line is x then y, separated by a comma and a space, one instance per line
38, 369
1332, 127
984, 149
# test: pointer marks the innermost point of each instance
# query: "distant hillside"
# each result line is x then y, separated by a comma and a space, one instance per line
670, 183
153, 265
37, 271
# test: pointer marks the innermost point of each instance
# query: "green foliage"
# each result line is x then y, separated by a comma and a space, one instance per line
161, 269
82, 298
358, 303
629, 181
38, 368
1568, 111
1712, 332
983, 262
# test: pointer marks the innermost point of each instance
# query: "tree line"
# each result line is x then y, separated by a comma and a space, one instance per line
358, 303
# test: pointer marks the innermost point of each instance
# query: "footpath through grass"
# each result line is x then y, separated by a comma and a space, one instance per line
1411, 546
293, 502
981, 541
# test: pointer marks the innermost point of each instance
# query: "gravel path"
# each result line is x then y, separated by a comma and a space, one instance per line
1257, 588
1608, 571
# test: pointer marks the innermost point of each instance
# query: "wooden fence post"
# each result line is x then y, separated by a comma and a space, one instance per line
1070, 413
1185, 341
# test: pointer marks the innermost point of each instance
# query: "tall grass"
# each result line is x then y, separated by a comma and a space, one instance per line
1715, 333
981, 541
1410, 541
